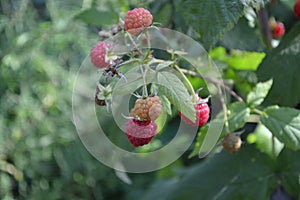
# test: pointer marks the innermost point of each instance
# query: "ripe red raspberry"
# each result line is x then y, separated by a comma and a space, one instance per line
137, 20
147, 109
140, 133
297, 9
232, 142
202, 114
98, 54
278, 31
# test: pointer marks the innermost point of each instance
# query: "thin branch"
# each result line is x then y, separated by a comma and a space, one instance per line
215, 81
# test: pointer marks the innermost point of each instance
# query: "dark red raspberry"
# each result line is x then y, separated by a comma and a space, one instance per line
140, 133
297, 9
137, 20
202, 114
278, 31
98, 54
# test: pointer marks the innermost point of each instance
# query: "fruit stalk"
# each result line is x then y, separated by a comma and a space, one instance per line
215, 81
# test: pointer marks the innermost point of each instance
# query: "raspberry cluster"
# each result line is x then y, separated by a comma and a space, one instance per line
202, 114
137, 20
141, 129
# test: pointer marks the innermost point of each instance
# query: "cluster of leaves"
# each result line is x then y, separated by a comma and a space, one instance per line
266, 87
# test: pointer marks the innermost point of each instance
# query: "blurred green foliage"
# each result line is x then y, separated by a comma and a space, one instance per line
42, 47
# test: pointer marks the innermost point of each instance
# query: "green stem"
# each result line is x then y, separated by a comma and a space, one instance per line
224, 110
148, 54
144, 74
135, 45
190, 87
253, 118
215, 81
129, 61
257, 111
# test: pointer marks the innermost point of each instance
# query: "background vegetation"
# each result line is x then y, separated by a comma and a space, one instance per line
43, 43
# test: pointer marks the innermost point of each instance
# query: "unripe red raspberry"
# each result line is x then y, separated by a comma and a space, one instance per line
147, 109
98, 54
202, 114
278, 31
140, 133
232, 142
297, 9
137, 20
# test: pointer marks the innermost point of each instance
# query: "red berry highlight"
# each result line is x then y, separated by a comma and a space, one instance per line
140, 133
278, 31
137, 20
297, 9
98, 54
202, 115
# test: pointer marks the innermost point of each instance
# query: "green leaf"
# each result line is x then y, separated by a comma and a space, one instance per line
164, 65
282, 65
289, 3
239, 60
211, 18
235, 38
238, 113
264, 141
96, 17
199, 141
284, 123
166, 104
134, 81
289, 166
245, 175
258, 94
164, 14
172, 87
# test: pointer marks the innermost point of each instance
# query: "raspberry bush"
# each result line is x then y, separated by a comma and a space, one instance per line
255, 95
238, 110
